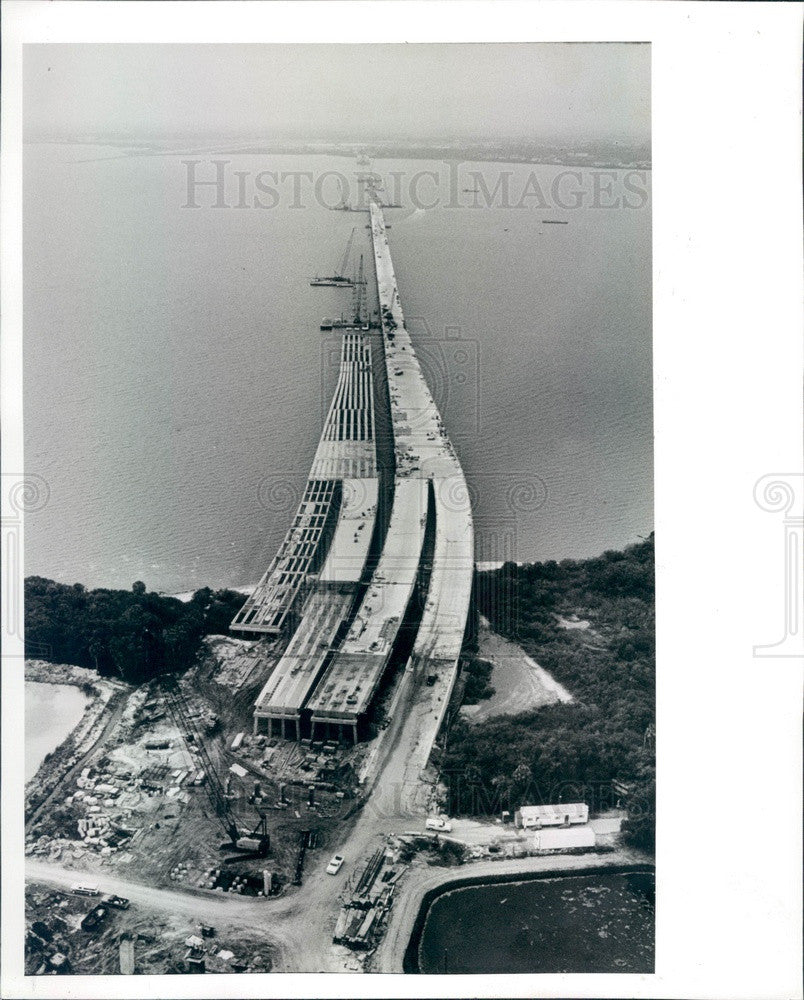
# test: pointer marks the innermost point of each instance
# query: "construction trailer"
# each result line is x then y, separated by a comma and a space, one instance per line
559, 814
563, 838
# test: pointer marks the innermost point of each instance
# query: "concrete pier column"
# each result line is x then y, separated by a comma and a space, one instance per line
298, 734
256, 728
354, 732
312, 729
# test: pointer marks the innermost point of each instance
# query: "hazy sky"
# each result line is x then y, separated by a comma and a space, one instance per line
573, 91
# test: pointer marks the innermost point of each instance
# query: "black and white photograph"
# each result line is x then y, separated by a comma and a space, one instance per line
336, 612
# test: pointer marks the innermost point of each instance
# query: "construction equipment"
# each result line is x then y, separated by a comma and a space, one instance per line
339, 279
253, 845
218, 795
359, 295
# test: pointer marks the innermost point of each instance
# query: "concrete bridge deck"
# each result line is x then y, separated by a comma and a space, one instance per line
423, 453
346, 451
345, 691
336, 681
287, 689
424, 450
275, 595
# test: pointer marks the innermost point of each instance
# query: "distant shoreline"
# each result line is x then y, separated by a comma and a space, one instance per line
469, 155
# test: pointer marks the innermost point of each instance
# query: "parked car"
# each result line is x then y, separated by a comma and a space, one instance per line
335, 865
84, 889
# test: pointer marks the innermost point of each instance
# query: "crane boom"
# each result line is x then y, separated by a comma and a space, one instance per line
346, 253
359, 295
181, 717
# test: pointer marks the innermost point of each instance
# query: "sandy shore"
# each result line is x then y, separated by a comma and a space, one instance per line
187, 596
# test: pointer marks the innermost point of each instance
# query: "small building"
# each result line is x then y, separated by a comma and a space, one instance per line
59, 963
560, 814
563, 838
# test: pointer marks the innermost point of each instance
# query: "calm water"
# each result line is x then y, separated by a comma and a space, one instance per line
590, 923
52, 711
175, 375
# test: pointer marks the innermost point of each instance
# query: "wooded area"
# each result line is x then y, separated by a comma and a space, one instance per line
130, 634
567, 752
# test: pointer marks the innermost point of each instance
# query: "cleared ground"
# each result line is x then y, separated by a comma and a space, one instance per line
519, 682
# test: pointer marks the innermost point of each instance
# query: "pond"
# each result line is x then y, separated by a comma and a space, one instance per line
52, 711
597, 922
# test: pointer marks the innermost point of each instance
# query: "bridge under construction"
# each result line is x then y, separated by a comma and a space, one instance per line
352, 595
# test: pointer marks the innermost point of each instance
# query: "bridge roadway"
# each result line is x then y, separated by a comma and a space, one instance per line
423, 453
322, 579
346, 451
423, 449
335, 682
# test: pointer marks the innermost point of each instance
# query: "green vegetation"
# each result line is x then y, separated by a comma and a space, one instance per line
566, 752
478, 676
132, 634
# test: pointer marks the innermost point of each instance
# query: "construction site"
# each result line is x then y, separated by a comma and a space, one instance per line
232, 778
179, 793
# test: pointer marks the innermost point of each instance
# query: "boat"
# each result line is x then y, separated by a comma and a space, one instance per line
334, 281
338, 280
555, 222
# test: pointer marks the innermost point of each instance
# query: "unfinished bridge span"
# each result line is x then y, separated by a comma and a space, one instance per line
346, 616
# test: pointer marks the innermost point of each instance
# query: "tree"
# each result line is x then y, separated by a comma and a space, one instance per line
133, 633
522, 778
639, 828
574, 750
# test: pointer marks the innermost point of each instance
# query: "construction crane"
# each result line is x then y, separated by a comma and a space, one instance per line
339, 279
359, 295
179, 710
347, 252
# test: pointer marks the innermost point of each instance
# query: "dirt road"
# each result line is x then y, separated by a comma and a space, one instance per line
299, 925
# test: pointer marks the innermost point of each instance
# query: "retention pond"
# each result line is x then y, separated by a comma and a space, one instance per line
52, 711
600, 921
